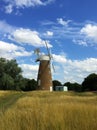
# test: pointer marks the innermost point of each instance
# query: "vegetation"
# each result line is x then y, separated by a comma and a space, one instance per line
11, 77
39, 110
90, 83
73, 86
30, 85
48, 111
56, 83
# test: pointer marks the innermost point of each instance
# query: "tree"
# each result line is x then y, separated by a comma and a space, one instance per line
56, 83
20, 83
2, 66
30, 85
69, 85
11, 77
12, 68
73, 86
90, 83
10, 74
6, 82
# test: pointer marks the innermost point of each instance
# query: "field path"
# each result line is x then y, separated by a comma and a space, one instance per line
10, 99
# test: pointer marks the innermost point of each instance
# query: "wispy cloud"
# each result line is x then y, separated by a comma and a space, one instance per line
11, 4
63, 22
62, 28
48, 34
47, 23
80, 42
84, 34
8, 9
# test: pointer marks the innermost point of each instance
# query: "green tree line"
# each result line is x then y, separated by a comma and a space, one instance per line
11, 79
89, 84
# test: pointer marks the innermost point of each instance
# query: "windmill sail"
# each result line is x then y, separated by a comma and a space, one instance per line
50, 55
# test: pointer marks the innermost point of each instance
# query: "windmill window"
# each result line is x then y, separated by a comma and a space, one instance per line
50, 81
49, 72
48, 66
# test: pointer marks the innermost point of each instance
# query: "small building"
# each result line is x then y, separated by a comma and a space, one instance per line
61, 88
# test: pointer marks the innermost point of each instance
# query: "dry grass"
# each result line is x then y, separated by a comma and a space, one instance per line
4, 93
52, 111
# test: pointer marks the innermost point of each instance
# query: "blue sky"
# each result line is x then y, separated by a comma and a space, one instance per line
69, 27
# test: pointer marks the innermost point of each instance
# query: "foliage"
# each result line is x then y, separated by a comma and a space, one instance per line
30, 85
13, 69
73, 86
56, 83
9, 72
2, 66
90, 83
6, 82
11, 77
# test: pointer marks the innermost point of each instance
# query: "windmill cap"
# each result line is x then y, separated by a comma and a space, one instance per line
44, 57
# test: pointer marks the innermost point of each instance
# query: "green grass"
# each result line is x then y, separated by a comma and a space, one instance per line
9, 98
48, 111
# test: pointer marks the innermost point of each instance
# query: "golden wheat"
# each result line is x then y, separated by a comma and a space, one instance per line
4, 93
52, 111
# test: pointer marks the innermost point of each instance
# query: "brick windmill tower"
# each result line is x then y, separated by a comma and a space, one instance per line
44, 78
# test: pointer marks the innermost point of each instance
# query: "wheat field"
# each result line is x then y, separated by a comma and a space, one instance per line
39, 110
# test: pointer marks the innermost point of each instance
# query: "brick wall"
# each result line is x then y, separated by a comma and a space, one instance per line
44, 75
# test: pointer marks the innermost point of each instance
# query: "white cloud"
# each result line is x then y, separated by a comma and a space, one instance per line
48, 34
70, 70
63, 22
73, 70
46, 2
87, 65
66, 31
66, 70
90, 31
28, 3
8, 9
80, 42
24, 4
47, 22
77, 70
59, 58
6, 28
29, 37
9, 50
22, 35
80, 33
29, 71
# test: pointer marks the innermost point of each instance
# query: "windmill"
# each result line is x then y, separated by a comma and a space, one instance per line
44, 78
